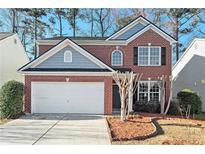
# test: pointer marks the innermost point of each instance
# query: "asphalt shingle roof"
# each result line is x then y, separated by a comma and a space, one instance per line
76, 38
4, 35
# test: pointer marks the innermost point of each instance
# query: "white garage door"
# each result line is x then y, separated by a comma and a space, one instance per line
67, 97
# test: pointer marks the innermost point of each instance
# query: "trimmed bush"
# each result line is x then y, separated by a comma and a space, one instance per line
151, 106
11, 99
174, 108
188, 97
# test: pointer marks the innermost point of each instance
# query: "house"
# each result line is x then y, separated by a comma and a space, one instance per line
74, 74
12, 56
189, 71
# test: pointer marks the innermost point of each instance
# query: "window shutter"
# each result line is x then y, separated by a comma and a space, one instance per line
163, 55
135, 55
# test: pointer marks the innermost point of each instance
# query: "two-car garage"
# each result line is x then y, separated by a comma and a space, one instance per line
67, 97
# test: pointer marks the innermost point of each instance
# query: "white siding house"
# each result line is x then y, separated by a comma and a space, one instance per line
189, 71
12, 57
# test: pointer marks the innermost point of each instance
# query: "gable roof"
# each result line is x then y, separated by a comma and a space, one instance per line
4, 35
148, 24
60, 46
196, 47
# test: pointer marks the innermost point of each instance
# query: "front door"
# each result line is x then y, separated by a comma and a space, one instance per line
116, 98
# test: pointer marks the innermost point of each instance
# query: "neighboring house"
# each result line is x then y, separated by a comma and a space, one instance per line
12, 56
189, 71
75, 74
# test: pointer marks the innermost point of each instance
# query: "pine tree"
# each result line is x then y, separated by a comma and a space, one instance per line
57, 17
34, 24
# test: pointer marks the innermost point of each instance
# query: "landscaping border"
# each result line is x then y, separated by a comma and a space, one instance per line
143, 137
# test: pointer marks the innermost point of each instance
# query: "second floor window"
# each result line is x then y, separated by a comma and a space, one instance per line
149, 56
117, 58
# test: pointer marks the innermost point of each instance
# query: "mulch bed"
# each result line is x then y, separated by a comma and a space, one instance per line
136, 128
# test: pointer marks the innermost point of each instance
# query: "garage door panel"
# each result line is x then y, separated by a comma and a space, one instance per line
72, 97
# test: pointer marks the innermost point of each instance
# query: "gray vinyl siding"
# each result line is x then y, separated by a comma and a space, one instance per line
190, 77
78, 60
131, 31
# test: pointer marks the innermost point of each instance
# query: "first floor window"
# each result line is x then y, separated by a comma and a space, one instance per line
143, 91
148, 91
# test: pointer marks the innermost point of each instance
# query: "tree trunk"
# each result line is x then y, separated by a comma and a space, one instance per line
162, 97
170, 98
92, 23
35, 36
123, 104
130, 95
60, 24
101, 24
74, 26
14, 21
177, 38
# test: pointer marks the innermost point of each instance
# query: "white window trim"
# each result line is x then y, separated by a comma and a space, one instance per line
149, 55
71, 56
121, 58
149, 83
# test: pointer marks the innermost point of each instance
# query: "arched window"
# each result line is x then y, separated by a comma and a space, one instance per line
117, 58
67, 56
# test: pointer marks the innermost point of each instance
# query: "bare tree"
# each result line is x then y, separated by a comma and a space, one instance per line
127, 83
103, 20
164, 108
89, 18
125, 16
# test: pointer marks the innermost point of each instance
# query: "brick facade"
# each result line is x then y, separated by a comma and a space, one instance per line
107, 87
103, 52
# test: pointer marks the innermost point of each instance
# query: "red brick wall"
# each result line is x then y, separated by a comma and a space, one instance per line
107, 84
103, 52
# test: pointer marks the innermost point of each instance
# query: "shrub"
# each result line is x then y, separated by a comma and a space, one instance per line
188, 97
151, 106
174, 108
11, 99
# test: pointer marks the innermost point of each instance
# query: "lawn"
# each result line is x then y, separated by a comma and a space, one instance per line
170, 130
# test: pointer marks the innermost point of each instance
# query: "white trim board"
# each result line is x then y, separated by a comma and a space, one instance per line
60, 46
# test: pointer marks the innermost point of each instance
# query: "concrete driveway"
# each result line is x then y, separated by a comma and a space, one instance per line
55, 129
